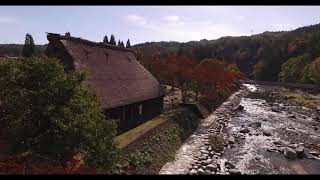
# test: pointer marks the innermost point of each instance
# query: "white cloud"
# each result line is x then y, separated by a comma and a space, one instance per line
174, 29
172, 18
7, 20
239, 18
136, 19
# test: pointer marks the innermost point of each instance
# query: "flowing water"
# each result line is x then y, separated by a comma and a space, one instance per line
259, 151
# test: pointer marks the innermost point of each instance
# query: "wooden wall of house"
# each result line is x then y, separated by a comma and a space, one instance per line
130, 116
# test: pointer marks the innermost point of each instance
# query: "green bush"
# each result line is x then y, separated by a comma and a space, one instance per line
139, 158
46, 111
216, 141
315, 71
291, 71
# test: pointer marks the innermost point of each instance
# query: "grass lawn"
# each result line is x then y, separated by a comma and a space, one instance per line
128, 137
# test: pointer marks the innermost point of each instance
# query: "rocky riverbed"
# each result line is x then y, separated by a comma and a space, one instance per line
264, 133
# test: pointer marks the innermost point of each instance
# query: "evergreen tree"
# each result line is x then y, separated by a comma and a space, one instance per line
105, 40
119, 43
29, 47
68, 34
112, 40
128, 44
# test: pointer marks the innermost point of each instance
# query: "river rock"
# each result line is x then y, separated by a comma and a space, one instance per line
229, 165
275, 110
300, 152
208, 161
266, 133
212, 167
200, 171
193, 171
314, 153
231, 140
240, 108
290, 153
244, 130
256, 124
204, 151
234, 172
292, 116
276, 142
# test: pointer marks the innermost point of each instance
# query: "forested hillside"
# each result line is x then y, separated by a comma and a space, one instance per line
260, 56
15, 50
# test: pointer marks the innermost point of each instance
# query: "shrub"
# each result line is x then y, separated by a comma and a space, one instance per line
315, 71
216, 141
291, 71
48, 112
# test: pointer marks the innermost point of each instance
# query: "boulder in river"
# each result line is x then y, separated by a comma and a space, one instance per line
256, 124
234, 171
231, 140
315, 153
229, 165
292, 116
200, 171
244, 130
266, 133
212, 167
275, 110
193, 171
300, 152
240, 108
290, 153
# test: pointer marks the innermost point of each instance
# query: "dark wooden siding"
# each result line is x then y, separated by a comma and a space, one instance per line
129, 115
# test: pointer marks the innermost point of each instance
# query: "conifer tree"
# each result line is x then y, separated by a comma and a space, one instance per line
128, 44
105, 39
29, 47
112, 40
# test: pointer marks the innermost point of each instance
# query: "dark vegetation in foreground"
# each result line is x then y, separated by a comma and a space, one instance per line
48, 115
51, 123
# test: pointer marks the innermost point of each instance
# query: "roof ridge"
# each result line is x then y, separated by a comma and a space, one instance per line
85, 41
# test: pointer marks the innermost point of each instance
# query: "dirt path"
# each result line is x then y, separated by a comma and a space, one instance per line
269, 135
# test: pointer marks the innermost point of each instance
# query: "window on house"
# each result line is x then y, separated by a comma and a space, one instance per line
140, 109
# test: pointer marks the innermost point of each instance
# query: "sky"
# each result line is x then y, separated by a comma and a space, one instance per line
150, 23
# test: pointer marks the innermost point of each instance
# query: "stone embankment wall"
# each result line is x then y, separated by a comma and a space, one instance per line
191, 148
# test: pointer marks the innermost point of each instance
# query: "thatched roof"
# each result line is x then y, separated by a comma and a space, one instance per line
116, 76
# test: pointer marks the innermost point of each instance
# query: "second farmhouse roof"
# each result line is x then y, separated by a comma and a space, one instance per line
116, 76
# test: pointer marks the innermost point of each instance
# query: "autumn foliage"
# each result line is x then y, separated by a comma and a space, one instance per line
211, 78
